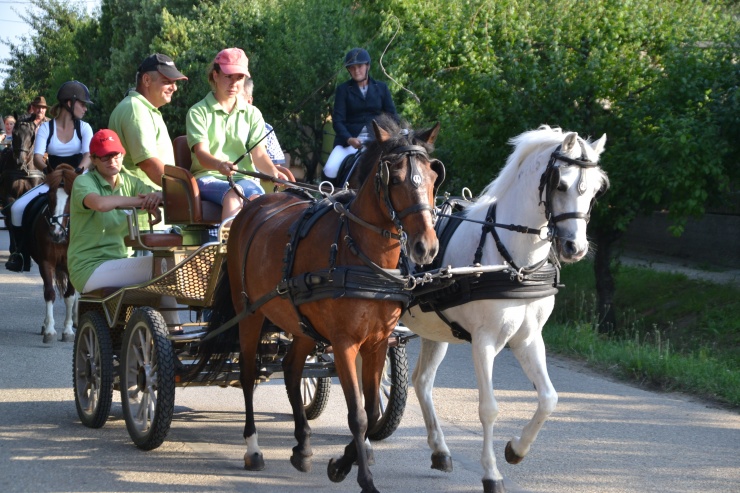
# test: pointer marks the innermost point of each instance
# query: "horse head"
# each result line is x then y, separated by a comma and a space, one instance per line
405, 182
24, 137
60, 190
569, 186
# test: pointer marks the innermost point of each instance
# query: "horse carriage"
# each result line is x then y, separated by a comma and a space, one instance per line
535, 214
123, 342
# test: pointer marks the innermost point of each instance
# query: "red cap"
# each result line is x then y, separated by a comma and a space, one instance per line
233, 61
105, 142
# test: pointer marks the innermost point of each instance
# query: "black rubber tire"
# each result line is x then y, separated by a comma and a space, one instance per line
394, 389
315, 394
148, 371
92, 370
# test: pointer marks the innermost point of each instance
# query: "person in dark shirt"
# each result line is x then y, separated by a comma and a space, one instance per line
356, 103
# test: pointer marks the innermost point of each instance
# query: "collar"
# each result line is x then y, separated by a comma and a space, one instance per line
214, 105
102, 182
138, 96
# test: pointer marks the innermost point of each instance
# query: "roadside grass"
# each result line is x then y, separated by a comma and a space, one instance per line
674, 333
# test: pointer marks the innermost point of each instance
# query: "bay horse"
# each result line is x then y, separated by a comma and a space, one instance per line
49, 232
317, 269
18, 172
541, 199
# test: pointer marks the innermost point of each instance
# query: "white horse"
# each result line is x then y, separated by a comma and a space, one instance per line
548, 186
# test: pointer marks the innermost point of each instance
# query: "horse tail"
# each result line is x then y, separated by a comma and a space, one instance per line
215, 353
61, 279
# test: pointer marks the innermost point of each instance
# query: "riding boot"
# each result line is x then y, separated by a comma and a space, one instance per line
16, 261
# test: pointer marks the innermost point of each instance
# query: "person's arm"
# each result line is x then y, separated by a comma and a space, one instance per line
387, 102
339, 115
39, 147
208, 161
86, 133
105, 203
154, 169
264, 164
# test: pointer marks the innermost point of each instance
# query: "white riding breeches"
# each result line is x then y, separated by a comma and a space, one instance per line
130, 271
17, 208
337, 156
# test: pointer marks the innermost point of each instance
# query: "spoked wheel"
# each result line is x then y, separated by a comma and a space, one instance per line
92, 370
394, 387
315, 393
147, 378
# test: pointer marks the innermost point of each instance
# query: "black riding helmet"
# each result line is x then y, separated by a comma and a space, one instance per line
73, 91
356, 56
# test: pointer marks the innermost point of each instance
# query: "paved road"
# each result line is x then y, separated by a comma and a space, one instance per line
604, 437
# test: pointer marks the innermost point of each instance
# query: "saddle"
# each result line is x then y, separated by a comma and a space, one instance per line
345, 170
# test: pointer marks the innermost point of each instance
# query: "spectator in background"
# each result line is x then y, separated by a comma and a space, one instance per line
272, 146
38, 107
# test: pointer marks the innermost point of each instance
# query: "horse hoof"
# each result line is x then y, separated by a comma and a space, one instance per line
441, 462
511, 456
254, 462
301, 462
68, 338
493, 486
48, 338
335, 473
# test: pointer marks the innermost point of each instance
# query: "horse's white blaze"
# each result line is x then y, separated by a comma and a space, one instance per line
497, 322
59, 211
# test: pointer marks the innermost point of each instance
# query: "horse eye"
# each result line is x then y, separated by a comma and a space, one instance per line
562, 186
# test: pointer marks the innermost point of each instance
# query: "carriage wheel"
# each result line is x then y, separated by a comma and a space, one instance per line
92, 370
315, 393
394, 387
147, 378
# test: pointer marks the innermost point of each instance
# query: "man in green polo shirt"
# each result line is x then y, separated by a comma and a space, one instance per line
139, 124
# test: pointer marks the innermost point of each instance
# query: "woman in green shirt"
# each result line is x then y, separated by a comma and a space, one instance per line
221, 128
97, 256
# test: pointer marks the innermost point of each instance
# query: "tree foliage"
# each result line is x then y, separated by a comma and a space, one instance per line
659, 77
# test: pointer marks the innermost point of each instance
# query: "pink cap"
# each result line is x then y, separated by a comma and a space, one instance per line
105, 142
233, 61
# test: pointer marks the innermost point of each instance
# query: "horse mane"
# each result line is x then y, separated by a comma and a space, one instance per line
525, 145
376, 149
63, 174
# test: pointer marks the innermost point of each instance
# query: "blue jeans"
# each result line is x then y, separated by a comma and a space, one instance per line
214, 189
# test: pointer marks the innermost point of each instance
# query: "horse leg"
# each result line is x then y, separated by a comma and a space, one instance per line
70, 302
344, 359
47, 275
484, 351
531, 355
430, 356
293, 364
249, 336
371, 365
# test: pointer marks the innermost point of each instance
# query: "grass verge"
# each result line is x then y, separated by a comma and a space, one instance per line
674, 334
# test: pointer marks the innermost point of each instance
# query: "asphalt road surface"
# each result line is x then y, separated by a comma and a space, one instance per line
604, 436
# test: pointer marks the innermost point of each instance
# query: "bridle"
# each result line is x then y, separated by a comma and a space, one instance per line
551, 178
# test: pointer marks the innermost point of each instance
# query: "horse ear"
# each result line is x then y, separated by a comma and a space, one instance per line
380, 134
430, 135
570, 141
598, 146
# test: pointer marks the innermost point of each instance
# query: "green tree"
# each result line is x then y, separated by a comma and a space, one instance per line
52, 54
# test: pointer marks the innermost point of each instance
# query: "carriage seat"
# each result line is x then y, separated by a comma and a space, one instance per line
155, 240
182, 202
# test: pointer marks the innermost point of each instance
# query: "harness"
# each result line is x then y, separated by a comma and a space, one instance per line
539, 280
368, 281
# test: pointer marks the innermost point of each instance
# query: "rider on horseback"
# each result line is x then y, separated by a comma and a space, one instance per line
356, 102
65, 139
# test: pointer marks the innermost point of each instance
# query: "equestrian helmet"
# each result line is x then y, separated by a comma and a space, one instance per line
356, 56
74, 91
